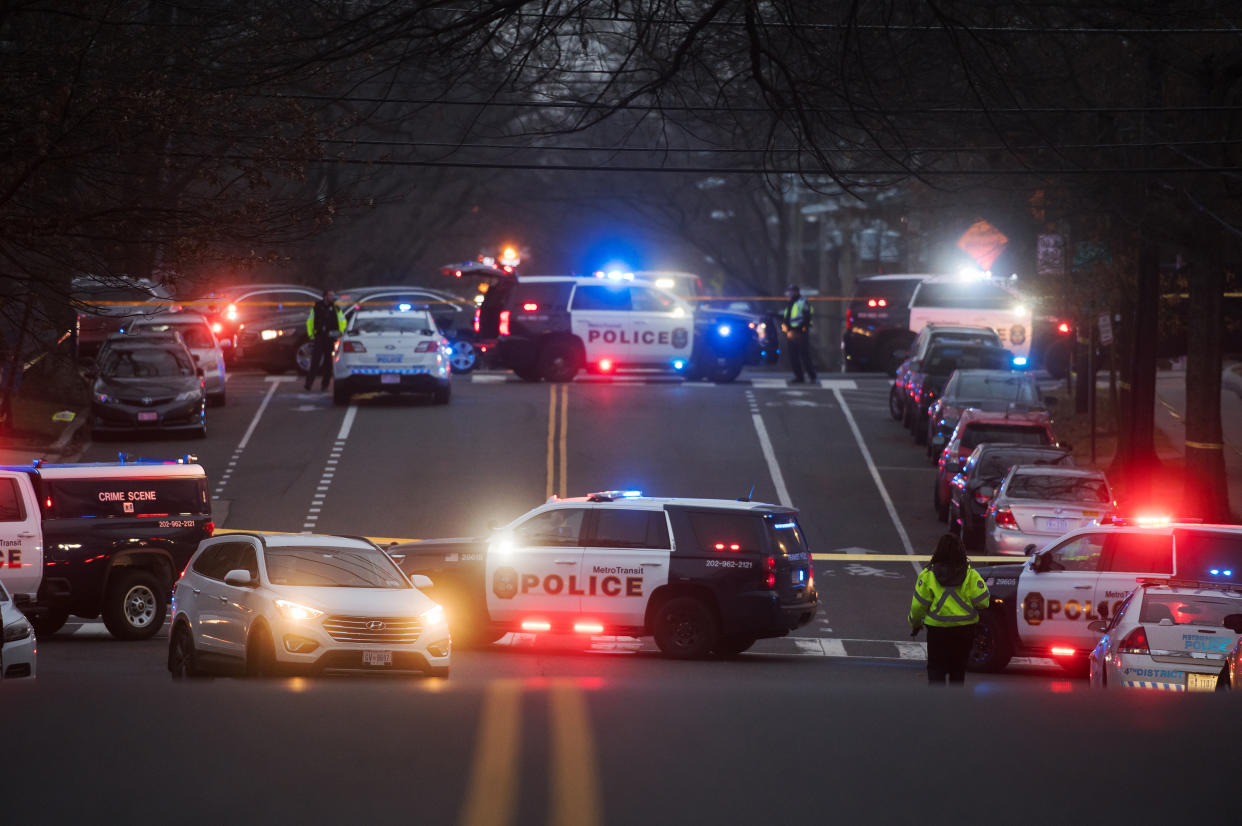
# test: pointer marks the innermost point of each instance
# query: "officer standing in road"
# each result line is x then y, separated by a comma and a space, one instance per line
948, 596
324, 325
797, 326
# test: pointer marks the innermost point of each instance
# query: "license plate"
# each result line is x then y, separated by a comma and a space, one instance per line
1201, 682
389, 358
148, 416
377, 658
1056, 525
390, 378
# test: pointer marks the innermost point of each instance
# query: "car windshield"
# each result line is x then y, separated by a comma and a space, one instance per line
1188, 609
195, 335
417, 323
329, 567
977, 434
1018, 389
965, 295
145, 363
1059, 488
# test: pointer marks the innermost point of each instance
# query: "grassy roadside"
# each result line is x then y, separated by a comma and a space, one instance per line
49, 387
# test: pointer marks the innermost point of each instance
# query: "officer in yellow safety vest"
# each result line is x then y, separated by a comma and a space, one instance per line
323, 326
797, 326
948, 596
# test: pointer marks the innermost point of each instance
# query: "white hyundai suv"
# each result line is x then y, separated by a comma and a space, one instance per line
262, 604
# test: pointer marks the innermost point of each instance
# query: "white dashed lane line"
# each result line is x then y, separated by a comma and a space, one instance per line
223, 481
329, 470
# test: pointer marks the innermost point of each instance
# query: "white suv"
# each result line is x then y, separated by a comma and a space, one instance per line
263, 604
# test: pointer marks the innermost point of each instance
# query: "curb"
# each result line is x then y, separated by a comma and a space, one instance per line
69, 433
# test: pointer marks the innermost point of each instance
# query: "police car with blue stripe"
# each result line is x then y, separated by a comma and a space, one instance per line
703, 576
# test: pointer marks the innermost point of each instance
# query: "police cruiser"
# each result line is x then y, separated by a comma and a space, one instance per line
703, 576
553, 327
391, 351
1045, 607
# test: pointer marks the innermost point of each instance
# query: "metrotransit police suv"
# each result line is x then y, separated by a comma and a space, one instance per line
703, 576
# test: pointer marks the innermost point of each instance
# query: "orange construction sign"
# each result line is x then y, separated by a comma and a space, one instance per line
983, 242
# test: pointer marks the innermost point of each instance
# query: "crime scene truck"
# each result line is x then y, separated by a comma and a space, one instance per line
104, 539
1045, 606
703, 576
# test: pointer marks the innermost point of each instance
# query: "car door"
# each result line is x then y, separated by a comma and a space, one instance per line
1128, 556
532, 568
1055, 604
237, 603
203, 603
626, 559
21, 530
661, 327
601, 316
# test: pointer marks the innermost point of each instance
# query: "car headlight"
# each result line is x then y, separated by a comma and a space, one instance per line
189, 394
296, 611
433, 616
18, 630
268, 335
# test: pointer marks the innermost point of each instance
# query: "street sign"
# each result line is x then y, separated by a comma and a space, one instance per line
1106, 328
983, 242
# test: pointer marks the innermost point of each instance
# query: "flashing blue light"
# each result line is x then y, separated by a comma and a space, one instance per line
780, 525
405, 308
1214, 572
678, 364
631, 494
1227, 572
1019, 361
724, 329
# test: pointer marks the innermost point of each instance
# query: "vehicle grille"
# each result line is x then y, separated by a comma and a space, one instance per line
146, 401
395, 630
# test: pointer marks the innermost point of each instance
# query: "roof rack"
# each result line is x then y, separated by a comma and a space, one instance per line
613, 495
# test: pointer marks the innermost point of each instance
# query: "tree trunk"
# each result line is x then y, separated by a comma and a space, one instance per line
1206, 494
1135, 464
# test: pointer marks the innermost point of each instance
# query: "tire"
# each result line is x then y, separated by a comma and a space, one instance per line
135, 603
732, 645
465, 356
1076, 666
182, 658
992, 650
47, 624
1222, 682
720, 369
894, 404
442, 395
340, 394
441, 672
560, 360
686, 629
261, 653
218, 399
301, 358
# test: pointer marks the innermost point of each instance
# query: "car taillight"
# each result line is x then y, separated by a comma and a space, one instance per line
1063, 328
427, 347
504, 322
871, 302
982, 498
1004, 519
1135, 642
354, 347
530, 307
605, 365
209, 527
769, 565
1063, 651
478, 312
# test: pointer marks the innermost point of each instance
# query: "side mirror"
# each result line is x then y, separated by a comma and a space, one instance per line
1041, 561
1099, 626
1233, 622
239, 578
421, 581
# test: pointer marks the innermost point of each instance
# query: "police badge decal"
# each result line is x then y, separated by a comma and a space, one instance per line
505, 583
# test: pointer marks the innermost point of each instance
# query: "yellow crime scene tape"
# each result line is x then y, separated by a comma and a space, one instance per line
389, 540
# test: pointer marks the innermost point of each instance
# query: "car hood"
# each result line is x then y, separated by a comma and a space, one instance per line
358, 602
147, 387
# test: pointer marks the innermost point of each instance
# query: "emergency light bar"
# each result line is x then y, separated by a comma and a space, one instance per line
1200, 585
613, 495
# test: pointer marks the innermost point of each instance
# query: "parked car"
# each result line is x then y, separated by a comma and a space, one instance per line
877, 322
205, 349
1037, 503
971, 491
977, 427
912, 360
994, 390
926, 384
147, 386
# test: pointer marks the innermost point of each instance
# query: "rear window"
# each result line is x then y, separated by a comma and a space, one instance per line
995, 465
1142, 553
1079, 489
1187, 609
977, 434
721, 531
551, 295
195, 335
1199, 554
419, 323
94, 498
1018, 389
786, 535
943, 360
979, 295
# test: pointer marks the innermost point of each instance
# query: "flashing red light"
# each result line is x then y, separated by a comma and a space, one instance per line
47, 503
504, 322
536, 625
1135, 642
883, 302
1063, 327
457, 273
217, 327
477, 313
588, 628
1063, 651
530, 307
720, 546
507, 268
605, 365
1005, 519
770, 565
871, 302
230, 312
735, 547
209, 528
354, 347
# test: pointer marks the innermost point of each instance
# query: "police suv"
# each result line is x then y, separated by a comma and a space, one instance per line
703, 576
552, 327
92, 539
1046, 606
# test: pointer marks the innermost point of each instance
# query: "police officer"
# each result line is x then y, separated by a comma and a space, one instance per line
797, 326
324, 325
948, 596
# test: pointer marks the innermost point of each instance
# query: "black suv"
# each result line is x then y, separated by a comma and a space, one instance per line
877, 322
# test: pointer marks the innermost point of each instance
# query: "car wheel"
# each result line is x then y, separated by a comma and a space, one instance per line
721, 369
182, 658
991, 651
134, 604
894, 404
302, 358
260, 653
47, 624
1075, 666
733, 645
441, 672
201, 432
560, 360
465, 357
217, 399
340, 393
1222, 682
685, 629
442, 394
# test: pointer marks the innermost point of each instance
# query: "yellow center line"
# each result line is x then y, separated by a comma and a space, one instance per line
574, 781
564, 474
551, 486
491, 795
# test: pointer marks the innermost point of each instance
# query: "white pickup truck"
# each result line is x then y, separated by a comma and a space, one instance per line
100, 539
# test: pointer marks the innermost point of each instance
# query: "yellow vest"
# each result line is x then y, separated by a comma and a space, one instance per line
935, 605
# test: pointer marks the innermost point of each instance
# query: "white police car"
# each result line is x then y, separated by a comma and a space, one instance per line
391, 351
1045, 606
703, 576
260, 604
1169, 635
